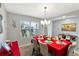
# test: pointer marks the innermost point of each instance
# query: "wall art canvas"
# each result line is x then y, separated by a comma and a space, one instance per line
69, 27
1, 29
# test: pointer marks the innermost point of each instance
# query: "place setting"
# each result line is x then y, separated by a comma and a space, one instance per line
60, 42
48, 41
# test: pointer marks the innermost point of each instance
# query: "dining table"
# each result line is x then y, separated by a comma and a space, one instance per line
54, 47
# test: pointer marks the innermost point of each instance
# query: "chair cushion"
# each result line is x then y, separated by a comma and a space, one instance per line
73, 37
6, 46
4, 52
68, 37
63, 35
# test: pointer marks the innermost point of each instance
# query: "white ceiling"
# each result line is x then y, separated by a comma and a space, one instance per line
37, 9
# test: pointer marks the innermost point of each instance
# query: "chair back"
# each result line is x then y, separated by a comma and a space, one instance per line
15, 48
71, 48
35, 44
43, 48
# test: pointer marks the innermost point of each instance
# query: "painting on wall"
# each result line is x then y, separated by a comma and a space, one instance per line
69, 27
1, 24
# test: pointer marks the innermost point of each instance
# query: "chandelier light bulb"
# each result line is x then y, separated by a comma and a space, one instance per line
48, 21
45, 21
42, 22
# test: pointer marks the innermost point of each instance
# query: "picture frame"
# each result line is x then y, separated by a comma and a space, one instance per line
1, 29
69, 27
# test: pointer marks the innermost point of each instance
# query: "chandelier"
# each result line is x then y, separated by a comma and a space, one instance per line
45, 21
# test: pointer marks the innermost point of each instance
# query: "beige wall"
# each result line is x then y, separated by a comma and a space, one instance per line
15, 33
4, 23
57, 24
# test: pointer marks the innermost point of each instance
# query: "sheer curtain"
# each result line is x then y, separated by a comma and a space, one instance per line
29, 29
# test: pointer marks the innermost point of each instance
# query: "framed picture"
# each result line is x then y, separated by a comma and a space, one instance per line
1, 24
69, 27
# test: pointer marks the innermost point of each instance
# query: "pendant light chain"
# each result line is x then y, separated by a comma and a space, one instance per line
45, 21
45, 11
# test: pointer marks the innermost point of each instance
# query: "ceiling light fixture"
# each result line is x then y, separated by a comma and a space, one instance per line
45, 21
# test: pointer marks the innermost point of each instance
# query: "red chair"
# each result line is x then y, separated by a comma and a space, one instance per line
13, 52
15, 48
4, 52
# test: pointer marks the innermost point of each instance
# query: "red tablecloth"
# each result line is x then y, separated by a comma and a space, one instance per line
57, 49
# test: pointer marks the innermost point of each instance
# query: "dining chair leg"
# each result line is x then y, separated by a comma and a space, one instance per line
33, 51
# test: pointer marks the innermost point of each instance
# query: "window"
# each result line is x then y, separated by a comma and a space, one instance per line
34, 28
29, 29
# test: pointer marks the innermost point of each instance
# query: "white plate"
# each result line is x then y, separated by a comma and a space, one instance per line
40, 38
58, 42
63, 43
48, 42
